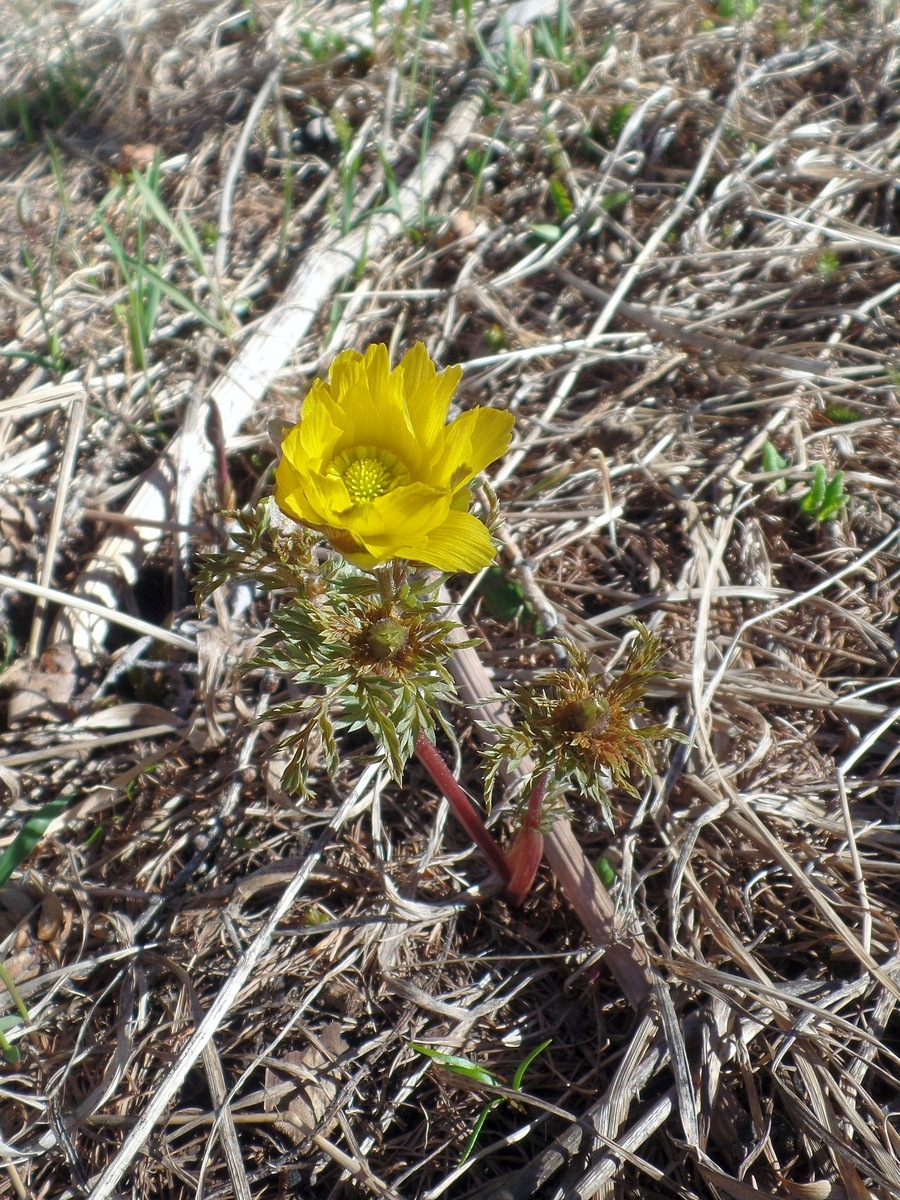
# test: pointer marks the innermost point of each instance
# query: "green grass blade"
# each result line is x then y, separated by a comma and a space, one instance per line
526, 1063
181, 233
29, 836
177, 296
459, 1066
472, 1139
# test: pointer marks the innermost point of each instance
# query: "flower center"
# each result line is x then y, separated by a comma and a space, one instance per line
368, 472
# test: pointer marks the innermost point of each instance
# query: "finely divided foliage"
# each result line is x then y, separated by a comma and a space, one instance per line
590, 734
664, 237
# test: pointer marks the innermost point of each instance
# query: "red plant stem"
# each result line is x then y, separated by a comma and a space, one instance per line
466, 813
536, 802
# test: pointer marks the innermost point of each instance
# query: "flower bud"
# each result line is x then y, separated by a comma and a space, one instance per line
524, 858
588, 715
386, 638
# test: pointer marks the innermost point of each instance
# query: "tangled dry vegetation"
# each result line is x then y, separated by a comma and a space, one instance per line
666, 236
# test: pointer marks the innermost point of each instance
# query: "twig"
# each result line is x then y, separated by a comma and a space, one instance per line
66, 466
747, 356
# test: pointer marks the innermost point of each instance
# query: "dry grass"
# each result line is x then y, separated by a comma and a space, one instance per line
193, 944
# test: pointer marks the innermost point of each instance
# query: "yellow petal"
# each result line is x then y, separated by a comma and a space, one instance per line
474, 440
372, 411
360, 558
427, 395
460, 543
290, 485
319, 428
398, 519
342, 372
293, 502
350, 546
462, 499
328, 495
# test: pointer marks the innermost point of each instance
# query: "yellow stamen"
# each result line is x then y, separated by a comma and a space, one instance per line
368, 472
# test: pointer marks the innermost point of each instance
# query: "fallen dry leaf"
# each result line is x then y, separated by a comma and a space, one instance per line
316, 1078
42, 690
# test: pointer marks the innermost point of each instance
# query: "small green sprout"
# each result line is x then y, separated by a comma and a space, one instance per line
742, 9
614, 201
773, 461
841, 414
465, 1068
495, 337
606, 872
562, 201
825, 498
828, 264
617, 119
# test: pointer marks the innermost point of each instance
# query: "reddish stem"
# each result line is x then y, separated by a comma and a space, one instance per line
466, 812
536, 802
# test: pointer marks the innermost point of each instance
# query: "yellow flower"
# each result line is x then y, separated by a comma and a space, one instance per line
373, 464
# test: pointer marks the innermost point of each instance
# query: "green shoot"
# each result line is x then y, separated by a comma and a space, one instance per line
351, 161
815, 497
841, 414
424, 13
615, 201
145, 281
511, 69
29, 836
45, 311
465, 1068
828, 264
553, 43
773, 461
605, 871
743, 10
323, 46
825, 498
562, 201
464, 7
835, 499
182, 234
424, 145
11, 1053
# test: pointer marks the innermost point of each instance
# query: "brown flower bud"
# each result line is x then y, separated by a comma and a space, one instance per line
587, 715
